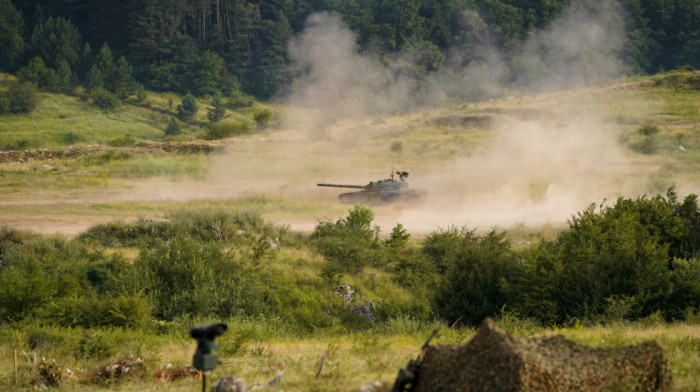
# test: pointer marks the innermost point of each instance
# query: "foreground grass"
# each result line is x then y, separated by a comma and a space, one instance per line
352, 359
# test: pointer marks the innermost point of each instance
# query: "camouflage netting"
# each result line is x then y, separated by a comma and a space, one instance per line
496, 361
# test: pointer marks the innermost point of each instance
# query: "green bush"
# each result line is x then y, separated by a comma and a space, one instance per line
24, 285
122, 141
37, 270
648, 145
187, 109
102, 158
348, 244
471, 288
96, 344
240, 228
105, 100
439, 246
173, 128
38, 74
623, 262
140, 93
120, 234
131, 311
648, 130
4, 105
20, 144
71, 137
262, 118
214, 225
240, 100
217, 111
685, 276
23, 97
222, 130
185, 278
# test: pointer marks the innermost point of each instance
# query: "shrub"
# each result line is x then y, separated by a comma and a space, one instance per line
685, 276
227, 129
120, 234
262, 118
225, 226
205, 226
217, 111
648, 130
19, 144
103, 158
141, 95
239, 100
621, 262
36, 270
126, 311
349, 244
71, 137
24, 285
23, 97
648, 145
122, 141
188, 279
4, 105
38, 74
173, 128
96, 344
439, 246
105, 100
471, 287
188, 108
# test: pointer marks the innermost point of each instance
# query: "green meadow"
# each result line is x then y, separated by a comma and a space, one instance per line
125, 238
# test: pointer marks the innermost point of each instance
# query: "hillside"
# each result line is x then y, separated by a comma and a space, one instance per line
531, 160
150, 234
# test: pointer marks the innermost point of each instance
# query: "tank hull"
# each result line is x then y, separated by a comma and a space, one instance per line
365, 197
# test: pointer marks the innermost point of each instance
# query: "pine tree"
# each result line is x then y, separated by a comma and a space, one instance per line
85, 63
188, 109
11, 42
173, 128
140, 93
217, 111
207, 73
105, 64
123, 79
94, 79
54, 40
64, 77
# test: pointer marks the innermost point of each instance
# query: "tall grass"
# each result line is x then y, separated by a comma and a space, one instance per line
256, 353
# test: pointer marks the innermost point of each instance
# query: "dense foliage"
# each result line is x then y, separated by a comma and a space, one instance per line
225, 45
636, 259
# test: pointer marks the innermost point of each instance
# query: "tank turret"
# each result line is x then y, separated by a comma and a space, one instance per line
388, 190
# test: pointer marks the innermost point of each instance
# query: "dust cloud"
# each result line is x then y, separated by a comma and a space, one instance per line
537, 169
536, 172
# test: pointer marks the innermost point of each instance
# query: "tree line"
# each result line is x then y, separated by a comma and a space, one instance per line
226, 45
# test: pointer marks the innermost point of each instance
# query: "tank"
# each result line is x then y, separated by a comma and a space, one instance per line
388, 190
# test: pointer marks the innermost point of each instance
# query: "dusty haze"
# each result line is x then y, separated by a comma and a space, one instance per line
537, 169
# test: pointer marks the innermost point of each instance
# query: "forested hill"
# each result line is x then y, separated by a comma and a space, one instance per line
209, 46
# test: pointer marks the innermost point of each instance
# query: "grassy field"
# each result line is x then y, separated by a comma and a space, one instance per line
523, 163
453, 152
351, 360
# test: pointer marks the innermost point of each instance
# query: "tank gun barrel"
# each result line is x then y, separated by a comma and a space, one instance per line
343, 186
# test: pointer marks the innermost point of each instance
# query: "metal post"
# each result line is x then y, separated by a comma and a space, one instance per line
16, 378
